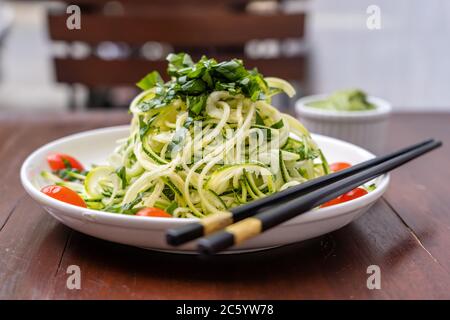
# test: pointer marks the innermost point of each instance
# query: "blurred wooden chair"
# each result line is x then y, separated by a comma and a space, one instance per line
222, 30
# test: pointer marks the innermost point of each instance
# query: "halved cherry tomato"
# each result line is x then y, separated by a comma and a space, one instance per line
355, 193
64, 194
153, 212
60, 161
337, 166
331, 202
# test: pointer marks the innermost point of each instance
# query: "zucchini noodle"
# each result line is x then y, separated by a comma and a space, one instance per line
205, 151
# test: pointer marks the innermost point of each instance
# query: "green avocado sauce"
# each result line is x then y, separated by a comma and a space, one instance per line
344, 100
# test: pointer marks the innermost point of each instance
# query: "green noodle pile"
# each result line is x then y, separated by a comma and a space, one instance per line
204, 142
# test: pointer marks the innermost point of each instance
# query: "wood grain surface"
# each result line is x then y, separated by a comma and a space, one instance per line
191, 30
124, 72
407, 234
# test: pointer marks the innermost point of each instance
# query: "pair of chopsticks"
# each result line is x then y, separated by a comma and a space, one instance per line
246, 221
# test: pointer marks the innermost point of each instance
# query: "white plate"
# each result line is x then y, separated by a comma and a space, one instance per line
93, 147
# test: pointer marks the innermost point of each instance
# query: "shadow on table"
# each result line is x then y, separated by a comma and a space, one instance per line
343, 254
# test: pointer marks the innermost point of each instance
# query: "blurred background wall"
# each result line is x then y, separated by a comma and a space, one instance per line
407, 61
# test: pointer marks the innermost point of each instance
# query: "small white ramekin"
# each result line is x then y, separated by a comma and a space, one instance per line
367, 129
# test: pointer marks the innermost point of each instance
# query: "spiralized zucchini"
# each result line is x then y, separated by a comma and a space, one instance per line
202, 148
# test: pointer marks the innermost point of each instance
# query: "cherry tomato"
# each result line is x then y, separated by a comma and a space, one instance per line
153, 212
331, 202
64, 194
337, 166
355, 193
60, 161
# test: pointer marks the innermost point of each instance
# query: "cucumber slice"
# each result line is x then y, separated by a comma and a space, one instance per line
252, 185
219, 181
149, 151
283, 169
95, 178
217, 200
281, 84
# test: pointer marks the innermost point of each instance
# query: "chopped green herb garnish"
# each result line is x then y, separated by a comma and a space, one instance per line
171, 207
121, 172
278, 124
193, 82
150, 80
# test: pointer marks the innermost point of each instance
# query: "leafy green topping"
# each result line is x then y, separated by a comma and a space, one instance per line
266, 131
299, 147
259, 119
66, 163
121, 172
130, 205
193, 82
70, 174
143, 127
171, 207
168, 192
325, 166
150, 80
196, 103
278, 125
178, 140
180, 136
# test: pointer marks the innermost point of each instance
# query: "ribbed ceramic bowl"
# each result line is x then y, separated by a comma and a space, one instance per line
367, 129
93, 147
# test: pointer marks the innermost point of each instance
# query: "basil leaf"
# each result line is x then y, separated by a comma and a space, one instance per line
259, 119
178, 140
195, 86
197, 71
230, 87
151, 104
150, 80
143, 127
128, 206
168, 192
232, 70
208, 79
171, 207
298, 147
66, 163
278, 125
196, 103
178, 62
188, 122
121, 173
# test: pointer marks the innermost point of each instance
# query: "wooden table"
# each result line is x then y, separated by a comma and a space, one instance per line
407, 234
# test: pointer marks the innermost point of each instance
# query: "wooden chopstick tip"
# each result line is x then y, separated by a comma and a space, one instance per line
215, 243
178, 236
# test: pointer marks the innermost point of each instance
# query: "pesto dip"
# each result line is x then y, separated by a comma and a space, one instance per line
344, 100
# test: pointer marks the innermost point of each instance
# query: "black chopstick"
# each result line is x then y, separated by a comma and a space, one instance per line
272, 217
216, 222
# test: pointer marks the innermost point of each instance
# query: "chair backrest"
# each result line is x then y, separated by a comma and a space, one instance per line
221, 33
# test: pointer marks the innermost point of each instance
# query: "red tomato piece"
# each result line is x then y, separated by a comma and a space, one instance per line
60, 161
337, 166
64, 194
353, 194
153, 212
331, 202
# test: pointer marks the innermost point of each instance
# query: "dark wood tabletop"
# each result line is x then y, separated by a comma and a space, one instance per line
406, 234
